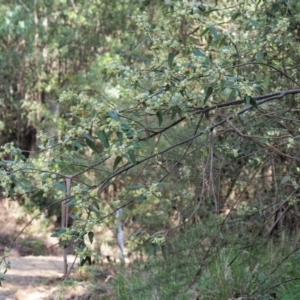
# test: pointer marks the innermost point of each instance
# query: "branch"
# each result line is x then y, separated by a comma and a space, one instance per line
261, 99
24, 5
267, 65
203, 110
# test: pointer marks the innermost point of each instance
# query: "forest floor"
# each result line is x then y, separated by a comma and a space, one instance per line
37, 278
36, 261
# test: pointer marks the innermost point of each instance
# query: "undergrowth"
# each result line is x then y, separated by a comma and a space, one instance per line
203, 262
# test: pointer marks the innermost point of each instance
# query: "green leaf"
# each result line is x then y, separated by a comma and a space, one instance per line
204, 32
114, 115
231, 95
15, 180
95, 208
92, 145
250, 101
179, 111
174, 112
125, 128
129, 134
164, 251
74, 217
227, 84
253, 22
88, 137
159, 117
198, 53
259, 56
38, 194
63, 244
96, 211
132, 156
60, 186
27, 165
103, 138
117, 161
82, 234
96, 204
151, 250
71, 203
137, 233
247, 99
120, 137
77, 145
52, 143
91, 237
222, 42
253, 103
208, 93
140, 197
285, 179
213, 31
59, 232
170, 59
11, 194
235, 16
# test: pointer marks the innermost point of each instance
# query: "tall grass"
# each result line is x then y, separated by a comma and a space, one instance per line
202, 262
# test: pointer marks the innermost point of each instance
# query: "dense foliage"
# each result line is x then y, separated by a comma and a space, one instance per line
196, 126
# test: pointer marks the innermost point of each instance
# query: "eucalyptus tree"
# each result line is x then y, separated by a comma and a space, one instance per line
49, 46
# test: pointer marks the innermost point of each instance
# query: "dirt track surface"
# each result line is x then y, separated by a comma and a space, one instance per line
36, 278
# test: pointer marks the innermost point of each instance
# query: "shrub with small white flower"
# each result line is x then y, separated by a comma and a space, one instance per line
214, 111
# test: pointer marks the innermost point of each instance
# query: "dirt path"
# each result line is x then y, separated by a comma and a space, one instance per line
39, 277
36, 278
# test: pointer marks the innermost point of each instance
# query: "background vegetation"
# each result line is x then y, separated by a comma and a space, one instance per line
182, 115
